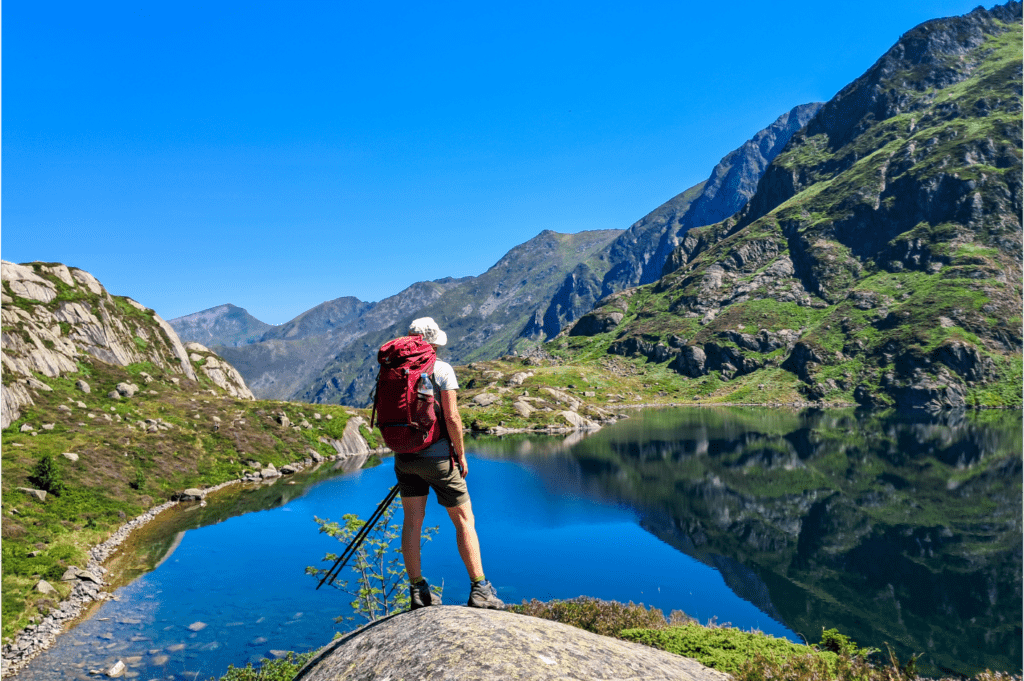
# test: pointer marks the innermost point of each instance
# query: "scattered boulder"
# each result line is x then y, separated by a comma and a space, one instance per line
44, 587
270, 472
486, 399
126, 389
284, 421
118, 669
37, 493
83, 386
573, 403
522, 408
577, 421
518, 378
191, 494
197, 626
26, 428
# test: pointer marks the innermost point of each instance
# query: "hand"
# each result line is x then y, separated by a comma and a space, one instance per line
463, 465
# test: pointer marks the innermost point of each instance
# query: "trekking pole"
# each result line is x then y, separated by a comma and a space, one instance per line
339, 564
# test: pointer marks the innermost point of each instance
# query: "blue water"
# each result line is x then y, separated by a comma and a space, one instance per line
243, 578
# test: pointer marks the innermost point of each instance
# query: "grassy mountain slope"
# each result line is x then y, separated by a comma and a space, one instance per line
484, 316
879, 260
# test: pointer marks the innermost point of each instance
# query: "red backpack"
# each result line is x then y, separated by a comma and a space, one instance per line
408, 419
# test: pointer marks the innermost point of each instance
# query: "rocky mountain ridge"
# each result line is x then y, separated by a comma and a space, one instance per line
320, 346
225, 325
484, 316
284, 359
879, 260
639, 255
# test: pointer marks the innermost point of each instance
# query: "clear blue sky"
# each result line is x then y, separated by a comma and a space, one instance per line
276, 155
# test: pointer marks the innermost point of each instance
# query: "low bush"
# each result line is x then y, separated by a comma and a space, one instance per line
608, 618
284, 669
47, 475
724, 648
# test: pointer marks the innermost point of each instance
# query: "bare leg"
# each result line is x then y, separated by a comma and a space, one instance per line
413, 510
465, 536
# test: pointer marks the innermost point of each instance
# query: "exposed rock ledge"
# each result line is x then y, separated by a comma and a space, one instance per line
457, 643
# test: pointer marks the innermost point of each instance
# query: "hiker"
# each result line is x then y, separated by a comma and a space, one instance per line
443, 467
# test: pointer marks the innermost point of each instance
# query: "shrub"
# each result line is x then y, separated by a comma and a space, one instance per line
724, 648
284, 669
608, 618
138, 481
47, 475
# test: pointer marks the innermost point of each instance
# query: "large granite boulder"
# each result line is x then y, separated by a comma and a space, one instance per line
457, 643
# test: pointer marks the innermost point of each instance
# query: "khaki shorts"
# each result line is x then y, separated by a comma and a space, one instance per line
417, 476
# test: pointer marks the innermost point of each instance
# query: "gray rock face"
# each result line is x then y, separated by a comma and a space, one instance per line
466, 644
48, 335
351, 441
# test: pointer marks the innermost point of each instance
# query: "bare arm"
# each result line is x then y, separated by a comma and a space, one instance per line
450, 407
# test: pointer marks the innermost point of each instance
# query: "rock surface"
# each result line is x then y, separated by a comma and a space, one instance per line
465, 644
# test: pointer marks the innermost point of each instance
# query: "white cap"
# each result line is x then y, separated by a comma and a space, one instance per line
428, 328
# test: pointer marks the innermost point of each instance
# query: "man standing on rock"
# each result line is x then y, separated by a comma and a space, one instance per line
433, 468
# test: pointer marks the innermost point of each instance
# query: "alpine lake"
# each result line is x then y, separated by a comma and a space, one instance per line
896, 529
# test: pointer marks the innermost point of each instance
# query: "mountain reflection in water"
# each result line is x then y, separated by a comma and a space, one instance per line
896, 529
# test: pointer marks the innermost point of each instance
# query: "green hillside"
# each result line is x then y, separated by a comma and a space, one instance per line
879, 261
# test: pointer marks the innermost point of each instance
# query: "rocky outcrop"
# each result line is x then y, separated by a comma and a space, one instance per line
222, 374
466, 644
53, 315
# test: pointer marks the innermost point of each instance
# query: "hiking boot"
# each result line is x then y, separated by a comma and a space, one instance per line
483, 595
420, 596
